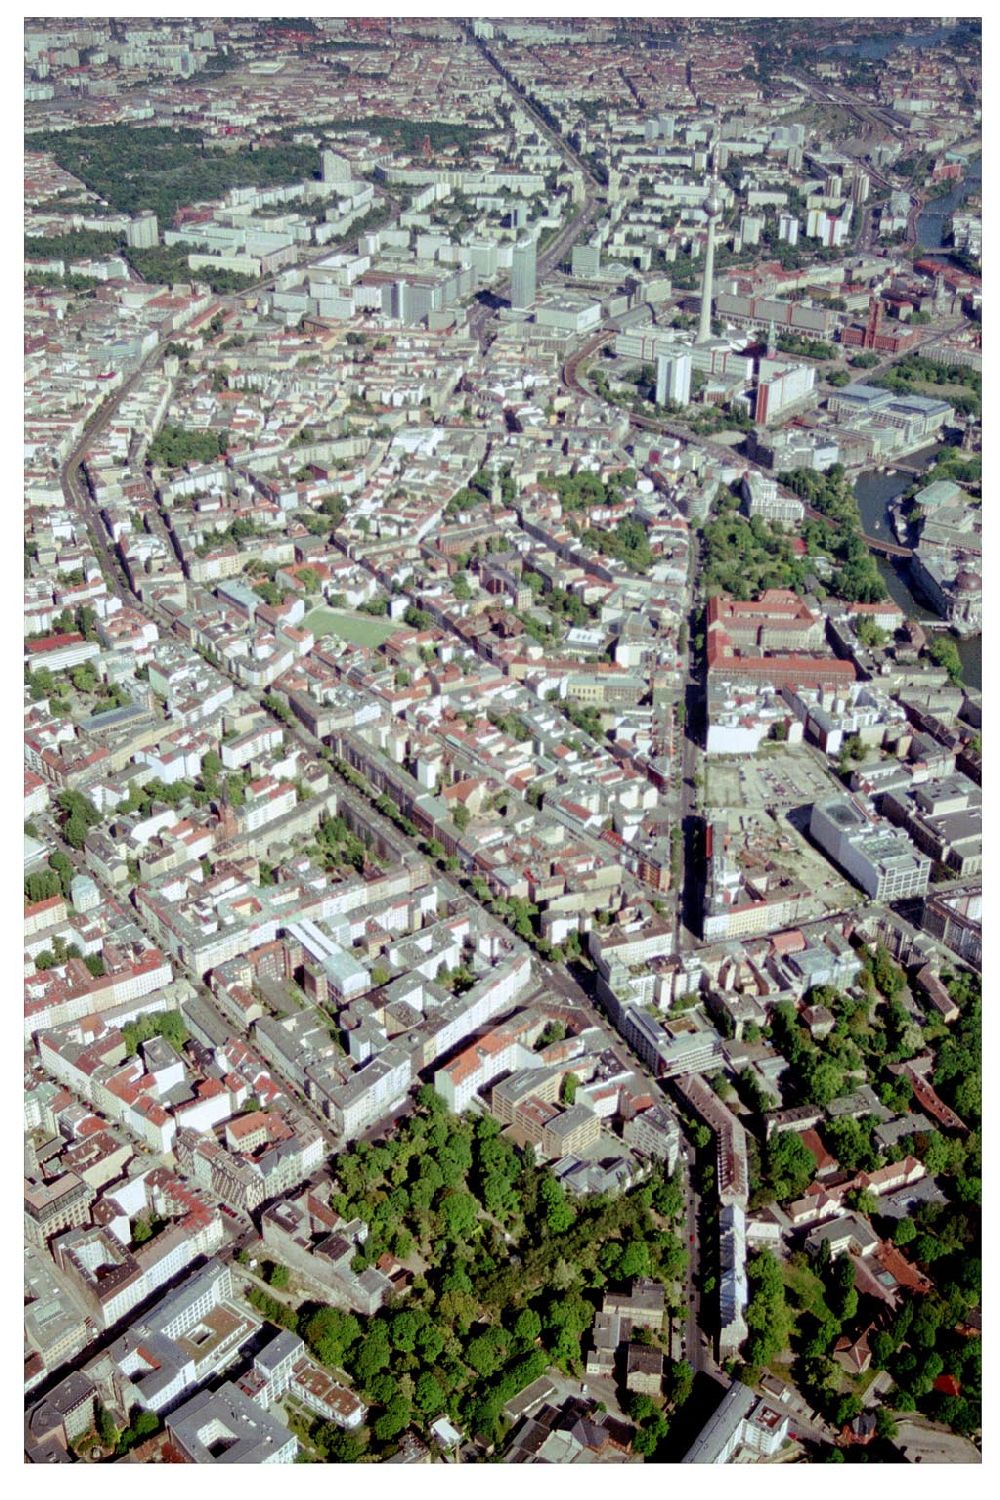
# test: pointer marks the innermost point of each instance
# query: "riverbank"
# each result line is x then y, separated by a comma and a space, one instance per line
875, 491
873, 49
937, 211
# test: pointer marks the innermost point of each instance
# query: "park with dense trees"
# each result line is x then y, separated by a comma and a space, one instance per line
800, 1308
175, 446
962, 388
839, 534
510, 1273
161, 169
743, 557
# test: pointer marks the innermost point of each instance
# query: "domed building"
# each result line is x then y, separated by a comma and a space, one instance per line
967, 582
966, 614
954, 587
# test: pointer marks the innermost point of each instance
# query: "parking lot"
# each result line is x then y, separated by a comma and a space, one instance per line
772, 779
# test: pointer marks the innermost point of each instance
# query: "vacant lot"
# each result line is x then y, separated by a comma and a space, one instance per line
922, 1442
361, 630
827, 119
804, 1289
722, 784
773, 792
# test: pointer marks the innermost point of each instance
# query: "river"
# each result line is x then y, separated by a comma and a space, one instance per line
875, 47
874, 492
930, 224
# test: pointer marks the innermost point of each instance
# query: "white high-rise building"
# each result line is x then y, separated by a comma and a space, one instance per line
673, 379
336, 168
522, 274
751, 226
788, 228
143, 232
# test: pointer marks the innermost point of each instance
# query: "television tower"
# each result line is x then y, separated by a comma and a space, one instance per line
712, 207
713, 210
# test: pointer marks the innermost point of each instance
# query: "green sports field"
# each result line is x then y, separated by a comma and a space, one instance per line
362, 630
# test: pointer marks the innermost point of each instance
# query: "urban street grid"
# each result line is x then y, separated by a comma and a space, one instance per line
502, 793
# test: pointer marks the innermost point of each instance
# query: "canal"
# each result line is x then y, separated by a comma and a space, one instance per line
874, 492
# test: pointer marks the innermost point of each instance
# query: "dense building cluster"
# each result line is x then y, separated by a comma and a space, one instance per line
502, 881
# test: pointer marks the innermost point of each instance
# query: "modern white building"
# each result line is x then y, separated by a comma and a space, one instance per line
480, 1064
336, 168
742, 1421
832, 229
734, 1293
586, 260
656, 1134
782, 386
370, 1092
571, 314
751, 226
878, 858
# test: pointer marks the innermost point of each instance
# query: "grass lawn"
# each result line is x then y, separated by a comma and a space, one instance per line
362, 630
804, 1287
803, 1296
943, 392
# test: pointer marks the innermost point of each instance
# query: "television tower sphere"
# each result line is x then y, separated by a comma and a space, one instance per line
713, 203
